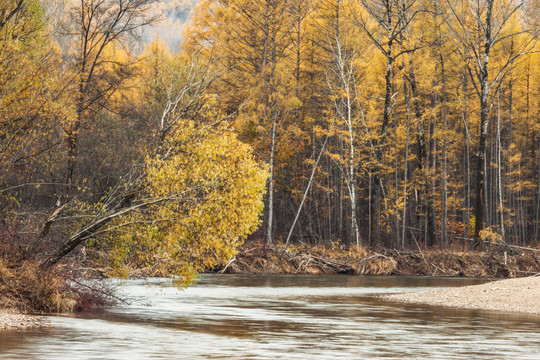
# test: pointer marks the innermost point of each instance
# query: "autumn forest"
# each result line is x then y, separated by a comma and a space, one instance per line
383, 122
378, 123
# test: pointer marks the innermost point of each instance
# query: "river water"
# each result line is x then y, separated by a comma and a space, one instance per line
278, 317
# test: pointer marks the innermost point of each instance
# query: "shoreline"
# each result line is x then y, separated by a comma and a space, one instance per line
258, 258
13, 319
519, 295
514, 295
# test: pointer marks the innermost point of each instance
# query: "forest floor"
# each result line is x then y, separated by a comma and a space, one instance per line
497, 262
510, 295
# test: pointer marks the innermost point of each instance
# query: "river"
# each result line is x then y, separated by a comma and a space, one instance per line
278, 317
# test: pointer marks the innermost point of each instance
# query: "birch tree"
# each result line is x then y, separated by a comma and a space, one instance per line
344, 93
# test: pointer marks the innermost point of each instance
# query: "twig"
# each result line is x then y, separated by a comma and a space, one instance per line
227, 266
105, 293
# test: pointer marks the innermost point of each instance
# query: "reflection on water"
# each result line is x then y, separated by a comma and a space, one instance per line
279, 317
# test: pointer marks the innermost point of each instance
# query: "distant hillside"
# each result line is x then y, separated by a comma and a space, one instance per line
175, 15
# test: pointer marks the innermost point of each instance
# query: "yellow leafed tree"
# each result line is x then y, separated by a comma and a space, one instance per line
212, 190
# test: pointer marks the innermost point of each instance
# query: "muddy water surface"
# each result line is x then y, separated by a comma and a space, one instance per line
279, 317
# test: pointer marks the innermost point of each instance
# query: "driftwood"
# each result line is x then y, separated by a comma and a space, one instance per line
263, 260
222, 271
278, 261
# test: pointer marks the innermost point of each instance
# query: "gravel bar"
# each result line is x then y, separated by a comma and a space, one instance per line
11, 319
521, 295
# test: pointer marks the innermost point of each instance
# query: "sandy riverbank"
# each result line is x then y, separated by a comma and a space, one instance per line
512, 295
11, 319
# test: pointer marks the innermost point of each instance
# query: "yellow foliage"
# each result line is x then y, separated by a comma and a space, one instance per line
491, 236
214, 190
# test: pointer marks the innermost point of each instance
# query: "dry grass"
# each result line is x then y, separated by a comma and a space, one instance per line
30, 289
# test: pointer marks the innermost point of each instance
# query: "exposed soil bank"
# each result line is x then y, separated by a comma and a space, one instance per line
510, 295
494, 263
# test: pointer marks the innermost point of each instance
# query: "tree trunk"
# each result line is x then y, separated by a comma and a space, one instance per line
431, 172
274, 115
484, 113
271, 183
379, 151
444, 220
499, 164
352, 180
422, 153
466, 163
406, 166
